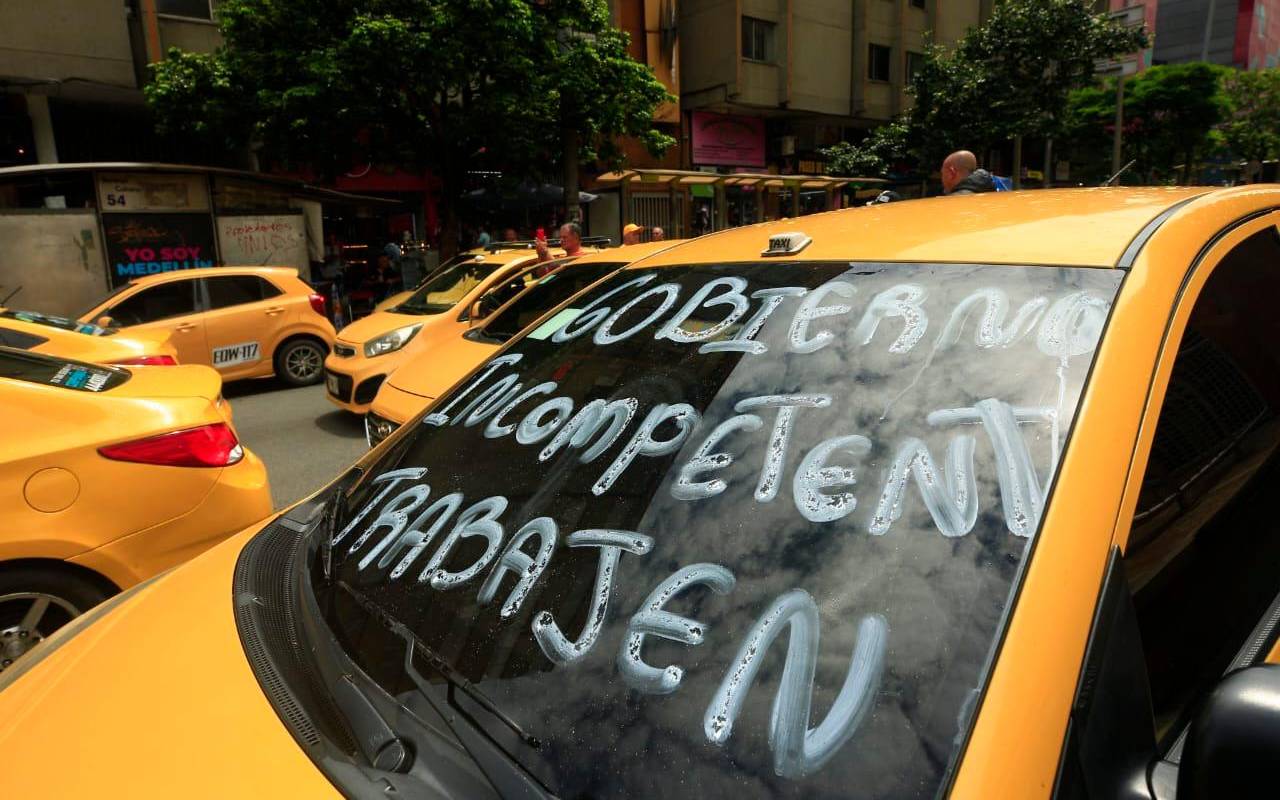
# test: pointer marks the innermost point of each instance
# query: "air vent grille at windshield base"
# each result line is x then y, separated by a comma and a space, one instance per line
272, 644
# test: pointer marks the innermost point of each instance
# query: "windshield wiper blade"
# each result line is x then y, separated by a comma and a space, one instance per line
509, 777
335, 507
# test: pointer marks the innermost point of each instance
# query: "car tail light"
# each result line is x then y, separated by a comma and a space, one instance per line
147, 361
317, 303
207, 446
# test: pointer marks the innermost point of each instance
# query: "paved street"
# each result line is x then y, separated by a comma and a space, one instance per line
304, 440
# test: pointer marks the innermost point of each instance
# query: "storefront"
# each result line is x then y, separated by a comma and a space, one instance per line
71, 232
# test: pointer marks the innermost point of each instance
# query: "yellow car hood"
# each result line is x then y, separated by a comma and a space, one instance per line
376, 324
433, 371
114, 713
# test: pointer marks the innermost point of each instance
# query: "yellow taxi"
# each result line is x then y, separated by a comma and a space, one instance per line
368, 350
963, 497
107, 477
245, 322
84, 341
440, 364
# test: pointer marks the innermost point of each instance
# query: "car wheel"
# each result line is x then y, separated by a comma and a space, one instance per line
35, 602
300, 362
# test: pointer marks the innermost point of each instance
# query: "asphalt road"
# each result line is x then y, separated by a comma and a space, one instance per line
304, 439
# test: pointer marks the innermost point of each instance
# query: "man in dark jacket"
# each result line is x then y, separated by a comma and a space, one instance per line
960, 175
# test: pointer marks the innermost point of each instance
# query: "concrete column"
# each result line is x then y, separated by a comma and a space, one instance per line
42, 128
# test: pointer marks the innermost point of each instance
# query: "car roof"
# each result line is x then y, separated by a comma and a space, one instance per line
184, 274
1066, 227
626, 253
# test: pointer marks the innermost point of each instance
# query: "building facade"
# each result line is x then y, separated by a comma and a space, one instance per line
72, 71
1238, 33
784, 79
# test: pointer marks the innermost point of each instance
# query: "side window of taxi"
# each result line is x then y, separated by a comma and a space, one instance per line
1205, 533
172, 299
234, 290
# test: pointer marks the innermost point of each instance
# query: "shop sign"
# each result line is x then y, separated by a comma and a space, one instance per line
143, 191
148, 244
727, 140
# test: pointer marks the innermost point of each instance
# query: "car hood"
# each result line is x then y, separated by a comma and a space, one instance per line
433, 370
155, 699
376, 324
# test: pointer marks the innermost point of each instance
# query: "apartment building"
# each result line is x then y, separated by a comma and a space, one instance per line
781, 79
1236, 33
71, 75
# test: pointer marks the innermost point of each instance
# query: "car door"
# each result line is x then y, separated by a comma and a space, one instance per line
1193, 591
245, 314
169, 306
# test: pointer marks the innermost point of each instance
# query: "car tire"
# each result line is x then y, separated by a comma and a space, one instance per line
35, 601
300, 362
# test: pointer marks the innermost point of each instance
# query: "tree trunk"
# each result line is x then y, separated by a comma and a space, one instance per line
1048, 162
1017, 162
572, 211
450, 190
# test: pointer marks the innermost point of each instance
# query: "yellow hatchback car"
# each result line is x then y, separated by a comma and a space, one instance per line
370, 349
245, 322
109, 476
84, 341
964, 497
440, 364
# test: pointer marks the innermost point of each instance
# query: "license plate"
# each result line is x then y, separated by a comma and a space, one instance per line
331, 382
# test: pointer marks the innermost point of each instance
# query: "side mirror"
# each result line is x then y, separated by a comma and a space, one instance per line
105, 321
1234, 742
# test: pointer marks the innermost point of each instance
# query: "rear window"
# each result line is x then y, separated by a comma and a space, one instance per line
48, 371
731, 530
53, 321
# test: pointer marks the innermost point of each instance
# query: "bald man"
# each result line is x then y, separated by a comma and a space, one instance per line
960, 175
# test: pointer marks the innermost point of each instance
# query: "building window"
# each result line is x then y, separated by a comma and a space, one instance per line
920, 4
757, 39
194, 9
878, 62
914, 62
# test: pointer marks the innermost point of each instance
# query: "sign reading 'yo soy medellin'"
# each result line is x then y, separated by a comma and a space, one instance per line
155, 223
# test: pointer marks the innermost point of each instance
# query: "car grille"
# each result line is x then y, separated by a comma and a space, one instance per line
377, 428
343, 351
339, 385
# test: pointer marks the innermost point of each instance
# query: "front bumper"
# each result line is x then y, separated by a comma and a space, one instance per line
351, 383
398, 406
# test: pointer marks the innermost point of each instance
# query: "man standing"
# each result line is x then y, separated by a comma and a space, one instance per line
960, 175
656, 234
571, 239
631, 233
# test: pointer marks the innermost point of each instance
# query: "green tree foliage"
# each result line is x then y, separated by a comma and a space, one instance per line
1011, 77
871, 157
442, 85
1170, 112
1251, 130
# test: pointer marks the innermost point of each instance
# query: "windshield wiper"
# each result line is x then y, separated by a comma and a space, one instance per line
335, 509
508, 776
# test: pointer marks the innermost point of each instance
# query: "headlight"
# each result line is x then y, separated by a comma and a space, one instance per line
391, 342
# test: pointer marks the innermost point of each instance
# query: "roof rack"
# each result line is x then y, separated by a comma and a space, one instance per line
529, 244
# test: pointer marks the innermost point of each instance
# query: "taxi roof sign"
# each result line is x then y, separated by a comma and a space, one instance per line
786, 244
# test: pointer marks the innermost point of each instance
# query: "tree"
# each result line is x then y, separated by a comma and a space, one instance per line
1170, 112
872, 156
438, 85
1251, 129
1011, 77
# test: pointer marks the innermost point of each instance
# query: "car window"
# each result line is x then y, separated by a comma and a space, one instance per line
171, 299
741, 530
504, 289
234, 290
443, 292
53, 321
549, 292
1202, 526
11, 337
50, 371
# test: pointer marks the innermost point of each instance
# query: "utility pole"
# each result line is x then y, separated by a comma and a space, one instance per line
1208, 33
1133, 16
1117, 140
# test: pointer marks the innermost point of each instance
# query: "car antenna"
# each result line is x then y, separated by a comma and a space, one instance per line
7, 297
1122, 171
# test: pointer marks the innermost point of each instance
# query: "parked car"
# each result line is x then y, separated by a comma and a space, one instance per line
109, 476
46, 333
245, 322
441, 363
966, 497
370, 349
